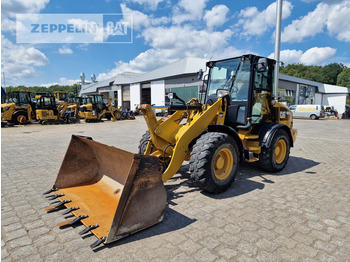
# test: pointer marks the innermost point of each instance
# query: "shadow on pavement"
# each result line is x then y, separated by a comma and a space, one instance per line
172, 221
180, 185
243, 185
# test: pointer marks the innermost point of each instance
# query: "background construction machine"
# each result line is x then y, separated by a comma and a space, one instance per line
61, 96
47, 111
17, 108
95, 110
115, 193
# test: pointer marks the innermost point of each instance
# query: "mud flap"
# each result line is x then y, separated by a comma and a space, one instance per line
118, 192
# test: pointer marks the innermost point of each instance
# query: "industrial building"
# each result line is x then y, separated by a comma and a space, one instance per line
133, 89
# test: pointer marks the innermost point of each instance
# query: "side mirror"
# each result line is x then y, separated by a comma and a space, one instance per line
200, 74
262, 65
222, 92
171, 96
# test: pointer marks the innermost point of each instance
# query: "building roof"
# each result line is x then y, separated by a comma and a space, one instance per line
123, 78
188, 65
298, 80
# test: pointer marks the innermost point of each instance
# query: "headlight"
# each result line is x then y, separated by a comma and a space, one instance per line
7, 108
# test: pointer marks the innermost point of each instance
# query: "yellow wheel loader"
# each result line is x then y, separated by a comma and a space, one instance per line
47, 112
17, 108
116, 193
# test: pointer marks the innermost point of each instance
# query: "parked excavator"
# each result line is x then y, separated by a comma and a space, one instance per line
95, 109
47, 111
115, 193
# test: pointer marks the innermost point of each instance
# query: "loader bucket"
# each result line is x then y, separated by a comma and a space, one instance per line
111, 191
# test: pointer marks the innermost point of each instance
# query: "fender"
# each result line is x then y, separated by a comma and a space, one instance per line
230, 131
268, 131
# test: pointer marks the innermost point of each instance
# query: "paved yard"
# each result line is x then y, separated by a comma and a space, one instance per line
299, 214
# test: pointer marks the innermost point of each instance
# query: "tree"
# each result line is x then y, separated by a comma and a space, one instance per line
344, 78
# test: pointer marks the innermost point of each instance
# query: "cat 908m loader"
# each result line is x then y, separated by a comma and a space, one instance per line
116, 193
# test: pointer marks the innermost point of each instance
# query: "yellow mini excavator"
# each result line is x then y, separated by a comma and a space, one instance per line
47, 111
115, 193
96, 109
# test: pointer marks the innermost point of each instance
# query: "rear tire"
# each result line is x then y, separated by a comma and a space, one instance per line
313, 117
214, 162
275, 158
20, 118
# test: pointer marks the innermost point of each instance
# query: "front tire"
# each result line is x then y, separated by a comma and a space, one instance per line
214, 162
143, 142
313, 117
275, 157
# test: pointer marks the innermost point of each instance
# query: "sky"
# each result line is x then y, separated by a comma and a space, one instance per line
313, 33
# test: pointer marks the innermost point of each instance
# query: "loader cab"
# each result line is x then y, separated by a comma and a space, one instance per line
240, 78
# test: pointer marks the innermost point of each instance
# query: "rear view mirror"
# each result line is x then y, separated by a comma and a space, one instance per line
200, 74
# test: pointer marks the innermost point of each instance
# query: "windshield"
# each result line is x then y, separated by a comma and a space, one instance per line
232, 75
98, 100
11, 98
63, 96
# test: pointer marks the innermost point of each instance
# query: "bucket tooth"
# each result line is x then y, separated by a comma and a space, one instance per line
50, 191
71, 221
65, 223
57, 206
78, 219
98, 242
88, 229
52, 197
70, 210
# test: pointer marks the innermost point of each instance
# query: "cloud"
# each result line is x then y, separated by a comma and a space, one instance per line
330, 15
10, 8
165, 48
312, 56
188, 10
140, 20
13, 7
255, 23
20, 61
65, 51
153, 4
216, 16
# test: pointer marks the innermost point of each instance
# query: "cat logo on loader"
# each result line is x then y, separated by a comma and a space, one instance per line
115, 193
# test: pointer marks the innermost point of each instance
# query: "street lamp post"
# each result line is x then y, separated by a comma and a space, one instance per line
277, 44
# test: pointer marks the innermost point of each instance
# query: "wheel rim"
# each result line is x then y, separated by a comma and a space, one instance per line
117, 115
280, 151
21, 119
223, 164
